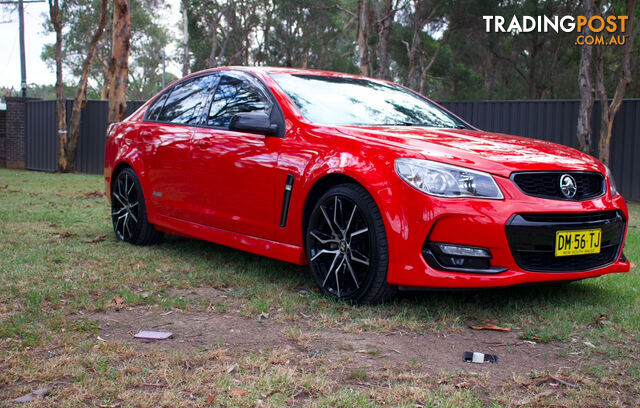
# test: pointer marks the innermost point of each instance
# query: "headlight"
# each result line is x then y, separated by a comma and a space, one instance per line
612, 184
443, 180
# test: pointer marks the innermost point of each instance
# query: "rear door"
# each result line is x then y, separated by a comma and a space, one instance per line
233, 172
167, 138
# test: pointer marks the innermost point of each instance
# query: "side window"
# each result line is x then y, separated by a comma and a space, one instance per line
234, 96
154, 110
183, 105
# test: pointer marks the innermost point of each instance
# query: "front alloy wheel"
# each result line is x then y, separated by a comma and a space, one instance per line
347, 246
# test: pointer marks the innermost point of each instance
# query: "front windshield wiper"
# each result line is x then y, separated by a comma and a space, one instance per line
404, 124
423, 125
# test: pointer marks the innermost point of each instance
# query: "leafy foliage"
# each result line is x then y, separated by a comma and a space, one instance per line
148, 38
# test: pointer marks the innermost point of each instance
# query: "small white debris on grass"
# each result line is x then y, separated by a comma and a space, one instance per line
152, 335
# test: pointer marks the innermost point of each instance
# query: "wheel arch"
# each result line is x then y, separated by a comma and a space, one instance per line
133, 163
319, 187
119, 167
116, 170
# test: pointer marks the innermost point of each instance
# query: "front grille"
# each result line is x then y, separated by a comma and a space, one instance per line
532, 240
547, 184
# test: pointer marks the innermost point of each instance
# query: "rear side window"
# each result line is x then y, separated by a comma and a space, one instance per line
184, 103
234, 96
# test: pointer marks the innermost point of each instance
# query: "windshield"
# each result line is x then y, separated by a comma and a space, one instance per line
361, 102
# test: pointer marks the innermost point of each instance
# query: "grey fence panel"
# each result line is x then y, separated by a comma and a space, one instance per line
93, 129
625, 149
634, 171
41, 142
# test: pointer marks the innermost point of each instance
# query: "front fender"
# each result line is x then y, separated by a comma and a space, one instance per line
369, 165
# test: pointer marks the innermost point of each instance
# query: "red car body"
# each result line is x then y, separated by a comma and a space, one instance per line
227, 187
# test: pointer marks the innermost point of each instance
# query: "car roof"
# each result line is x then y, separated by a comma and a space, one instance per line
285, 70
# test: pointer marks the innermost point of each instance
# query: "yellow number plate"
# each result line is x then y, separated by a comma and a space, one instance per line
578, 242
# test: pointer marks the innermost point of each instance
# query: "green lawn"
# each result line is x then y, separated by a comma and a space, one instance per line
59, 262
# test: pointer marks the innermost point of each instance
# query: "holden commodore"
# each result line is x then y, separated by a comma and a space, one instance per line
372, 185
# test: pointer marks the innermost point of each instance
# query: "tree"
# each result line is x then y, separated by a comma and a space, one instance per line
385, 12
624, 75
119, 63
585, 142
61, 108
363, 36
185, 38
68, 142
296, 33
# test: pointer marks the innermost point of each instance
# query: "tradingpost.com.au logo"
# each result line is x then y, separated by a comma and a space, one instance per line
595, 30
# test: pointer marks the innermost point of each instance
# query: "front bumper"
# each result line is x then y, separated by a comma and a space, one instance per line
413, 218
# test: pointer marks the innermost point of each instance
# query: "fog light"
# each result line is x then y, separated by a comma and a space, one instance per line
457, 250
459, 258
457, 261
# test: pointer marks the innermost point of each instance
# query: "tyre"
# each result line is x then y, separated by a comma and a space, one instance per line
128, 211
347, 246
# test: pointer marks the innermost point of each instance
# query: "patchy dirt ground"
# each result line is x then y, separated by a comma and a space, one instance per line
432, 353
64, 276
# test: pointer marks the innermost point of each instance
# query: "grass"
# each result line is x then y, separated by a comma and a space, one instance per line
59, 262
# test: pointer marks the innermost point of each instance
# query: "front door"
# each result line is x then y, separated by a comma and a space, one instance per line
233, 173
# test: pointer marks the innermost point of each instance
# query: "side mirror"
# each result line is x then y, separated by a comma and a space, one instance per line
258, 122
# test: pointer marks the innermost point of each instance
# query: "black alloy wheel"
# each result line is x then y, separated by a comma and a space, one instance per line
128, 211
347, 246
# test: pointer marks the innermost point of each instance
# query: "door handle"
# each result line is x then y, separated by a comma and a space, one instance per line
202, 143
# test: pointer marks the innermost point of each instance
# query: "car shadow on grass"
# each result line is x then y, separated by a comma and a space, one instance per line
548, 311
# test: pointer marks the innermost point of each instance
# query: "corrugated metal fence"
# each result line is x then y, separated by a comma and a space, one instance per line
551, 120
41, 142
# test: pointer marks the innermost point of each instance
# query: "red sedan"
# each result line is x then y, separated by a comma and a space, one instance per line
371, 184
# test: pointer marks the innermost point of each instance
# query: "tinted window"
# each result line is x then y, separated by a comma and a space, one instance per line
183, 105
233, 96
355, 101
154, 110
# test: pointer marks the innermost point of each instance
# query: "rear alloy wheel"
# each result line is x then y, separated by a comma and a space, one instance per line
128, 211
347, 246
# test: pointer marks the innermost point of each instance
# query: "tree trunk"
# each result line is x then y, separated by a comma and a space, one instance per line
426, 68
363, 37
490, 74
585, 140
230, 19
266, 28
624, 76
66, 164
104, 89
185, 39
119, 63
385, 14
213, 27
413, 50
323, 54
533, 56
61, 108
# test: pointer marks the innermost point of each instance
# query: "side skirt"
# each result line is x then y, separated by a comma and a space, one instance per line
248, 243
